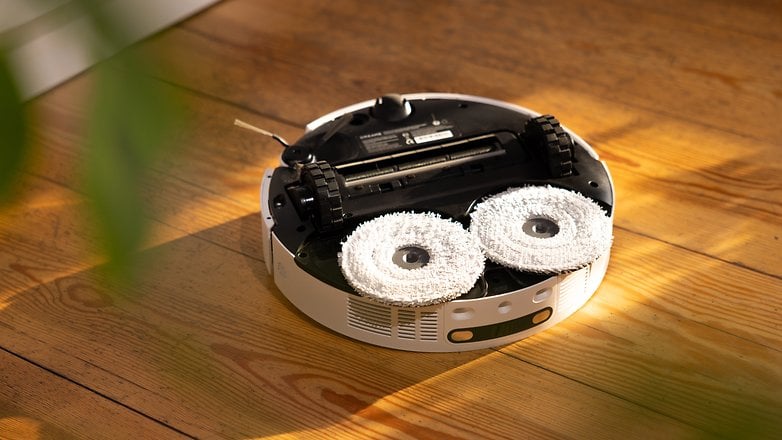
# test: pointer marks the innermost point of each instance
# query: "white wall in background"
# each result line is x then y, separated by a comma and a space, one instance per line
48, 39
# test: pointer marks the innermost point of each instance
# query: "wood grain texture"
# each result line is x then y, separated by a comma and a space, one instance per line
220, 370
708, 165
682, 340
38, 404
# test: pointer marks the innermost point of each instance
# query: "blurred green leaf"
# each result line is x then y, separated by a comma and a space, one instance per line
13, 129
111, 30
131, 121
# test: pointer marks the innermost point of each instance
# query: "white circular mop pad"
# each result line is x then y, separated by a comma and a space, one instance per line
408, 259
541, 229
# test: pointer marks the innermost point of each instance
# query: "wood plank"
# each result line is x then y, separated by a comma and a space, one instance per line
682, 340
135, 350
762, 19
203, 175
50, 229
226, 355
203, 312
678, 333
613, 51
74, 305
190, 190
706, 167
35, 403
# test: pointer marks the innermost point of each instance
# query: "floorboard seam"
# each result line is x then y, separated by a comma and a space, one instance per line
701, 253
623, 228
630, 104
155, 220
96, 392
698, 322
592, 387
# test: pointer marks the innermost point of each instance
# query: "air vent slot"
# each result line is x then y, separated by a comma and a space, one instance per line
405, 324
428, 326
371, 317
571, 292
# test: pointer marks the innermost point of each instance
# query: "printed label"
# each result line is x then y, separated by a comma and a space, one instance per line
397, 138
436, 136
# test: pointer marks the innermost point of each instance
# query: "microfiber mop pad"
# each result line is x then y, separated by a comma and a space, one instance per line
541, 229
411, 259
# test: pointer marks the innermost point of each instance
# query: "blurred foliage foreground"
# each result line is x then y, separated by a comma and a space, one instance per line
130, 125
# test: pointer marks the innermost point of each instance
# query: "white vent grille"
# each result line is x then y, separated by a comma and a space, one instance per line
571, 292
428, 326
405, 324
596, 271
408, 324
372, 317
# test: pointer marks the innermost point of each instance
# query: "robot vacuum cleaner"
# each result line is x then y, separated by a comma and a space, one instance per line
437, 222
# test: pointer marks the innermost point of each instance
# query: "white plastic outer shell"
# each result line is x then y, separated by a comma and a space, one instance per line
267, 220
425, 329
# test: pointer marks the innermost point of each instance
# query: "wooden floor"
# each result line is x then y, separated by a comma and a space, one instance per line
682, 98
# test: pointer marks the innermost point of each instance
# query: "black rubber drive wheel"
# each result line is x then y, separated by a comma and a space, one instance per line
551, 144
321, 180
